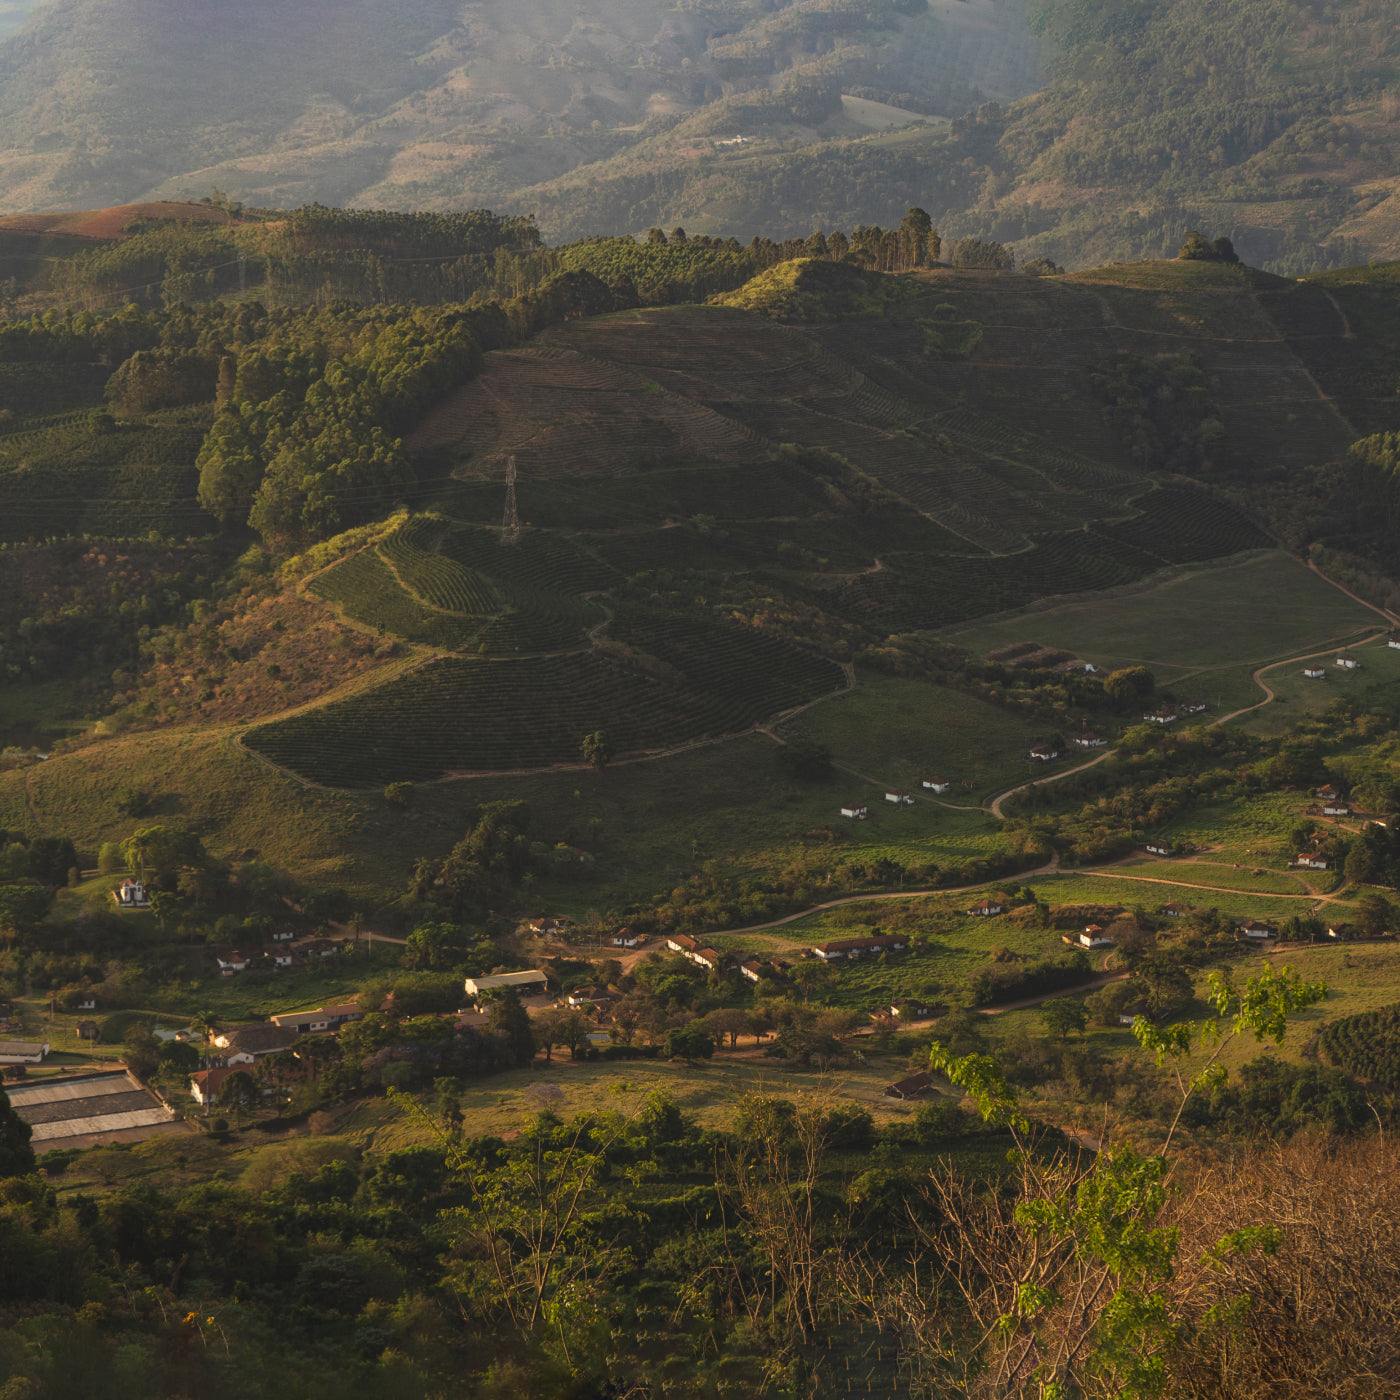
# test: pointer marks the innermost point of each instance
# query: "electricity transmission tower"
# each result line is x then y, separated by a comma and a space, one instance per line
510, 524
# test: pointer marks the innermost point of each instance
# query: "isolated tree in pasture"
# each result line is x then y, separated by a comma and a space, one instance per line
596, 749
1065, 1017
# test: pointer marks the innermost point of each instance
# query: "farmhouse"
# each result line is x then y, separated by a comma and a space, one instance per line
1336, 808
625, 938
320, 948
246, 1044
526, 983
1255, 931
938, 784
985, 908
1348, 662
231, 961
1315, 672
280, 957
205, 1085
1044, 753
23, 1052
283, 935
1192, 707
1394, 640
324, 1018
1310, 860
1174, 911
1091, 741
1326, 792
858, 811
899, 797
682, 943
707, 958
1093, 937
859, 947
755, 970
1158, 848
131, 894
911, 1008
591, 996
915, 1086
89, 1030
1162, 717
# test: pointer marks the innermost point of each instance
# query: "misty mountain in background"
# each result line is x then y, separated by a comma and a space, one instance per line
1084, 130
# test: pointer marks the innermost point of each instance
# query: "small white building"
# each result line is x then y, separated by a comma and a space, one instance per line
1336, 808
1093, 937
1161, 717
625, 938
1394, 640
899, 797
985, 908
232, 961
131, 894
1256, 932
1091, 741
857, 811
1309, 860
1158, 848
23, 1052
1044, 753
1315, 673
939, 785
1348, 662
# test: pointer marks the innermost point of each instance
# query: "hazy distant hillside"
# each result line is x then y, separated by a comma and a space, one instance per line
1085, 130
431, 103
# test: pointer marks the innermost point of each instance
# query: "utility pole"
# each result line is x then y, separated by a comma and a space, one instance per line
510, 523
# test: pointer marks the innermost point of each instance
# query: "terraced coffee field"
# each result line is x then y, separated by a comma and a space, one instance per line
456, 715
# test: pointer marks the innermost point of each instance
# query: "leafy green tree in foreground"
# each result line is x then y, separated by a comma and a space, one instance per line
1068, 1291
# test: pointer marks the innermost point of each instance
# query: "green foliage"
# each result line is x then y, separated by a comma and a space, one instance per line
689, 1042
596, 749
998, 984
988, 256
1367, 1046
1199, 248
1065, 1017
16, 1155
813, 289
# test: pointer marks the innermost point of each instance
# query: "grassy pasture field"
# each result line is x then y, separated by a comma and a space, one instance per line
1086, 887
1196, 623
642, 821
901, 731
1296, 696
